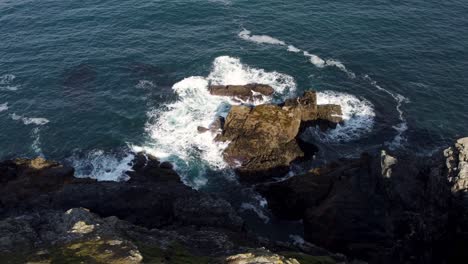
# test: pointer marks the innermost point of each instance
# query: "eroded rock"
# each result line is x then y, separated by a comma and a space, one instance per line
249, 92
263, 140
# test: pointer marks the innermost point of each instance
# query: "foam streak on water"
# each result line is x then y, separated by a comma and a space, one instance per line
39, 121
358, 116
400, 128
173, 129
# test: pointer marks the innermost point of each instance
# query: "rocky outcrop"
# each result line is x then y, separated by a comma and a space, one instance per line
152, 218
153, 197
263, 140
379, 208
326, 116
23, 179
457, 165
246, 93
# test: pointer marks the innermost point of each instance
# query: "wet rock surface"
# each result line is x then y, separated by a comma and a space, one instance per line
263, 140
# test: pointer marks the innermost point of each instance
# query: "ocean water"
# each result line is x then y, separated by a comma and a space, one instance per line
88, 82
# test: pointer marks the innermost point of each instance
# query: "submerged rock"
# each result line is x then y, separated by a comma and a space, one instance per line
263, 140
249, 92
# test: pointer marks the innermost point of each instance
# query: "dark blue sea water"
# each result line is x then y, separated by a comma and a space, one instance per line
86, 81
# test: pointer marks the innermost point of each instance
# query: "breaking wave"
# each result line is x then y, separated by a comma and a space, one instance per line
358, 116
103, 166
172, 129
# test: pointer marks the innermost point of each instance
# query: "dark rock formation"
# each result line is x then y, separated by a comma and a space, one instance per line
264, 139
152, 218
249, 92
381, 209
326, 116
153, 197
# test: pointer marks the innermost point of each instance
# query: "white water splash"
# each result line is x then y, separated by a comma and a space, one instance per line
173, 129
358, 116
316, 60
145, 84
3, 107
399, 140
6, 82
261, 39
103, 167
39, 121
36, 145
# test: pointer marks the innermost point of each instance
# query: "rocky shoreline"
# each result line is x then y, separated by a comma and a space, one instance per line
379, 208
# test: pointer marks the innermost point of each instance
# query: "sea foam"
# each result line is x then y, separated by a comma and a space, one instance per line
6, 82
400, 128
3, 107
39, 121
102, 166
358, 116
172, 129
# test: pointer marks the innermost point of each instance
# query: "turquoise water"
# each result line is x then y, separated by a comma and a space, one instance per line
98, 77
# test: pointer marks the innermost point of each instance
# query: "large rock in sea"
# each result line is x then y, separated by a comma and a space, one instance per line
263, 140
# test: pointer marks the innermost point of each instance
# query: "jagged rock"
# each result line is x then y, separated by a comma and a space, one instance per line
27, 179
154, 195
386, 164
249, 92
326, 116
262, 140
457, 165
260, 256
214, 127
73, 236
349, 207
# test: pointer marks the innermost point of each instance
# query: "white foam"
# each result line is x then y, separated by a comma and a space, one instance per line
291, 48
30, 120
103, 167
358, 117
3, 107
400, 128
173, 128
145, 84
6, 81
316, 60
313, 58
261, 39
340, 66
256, 209
36, 145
